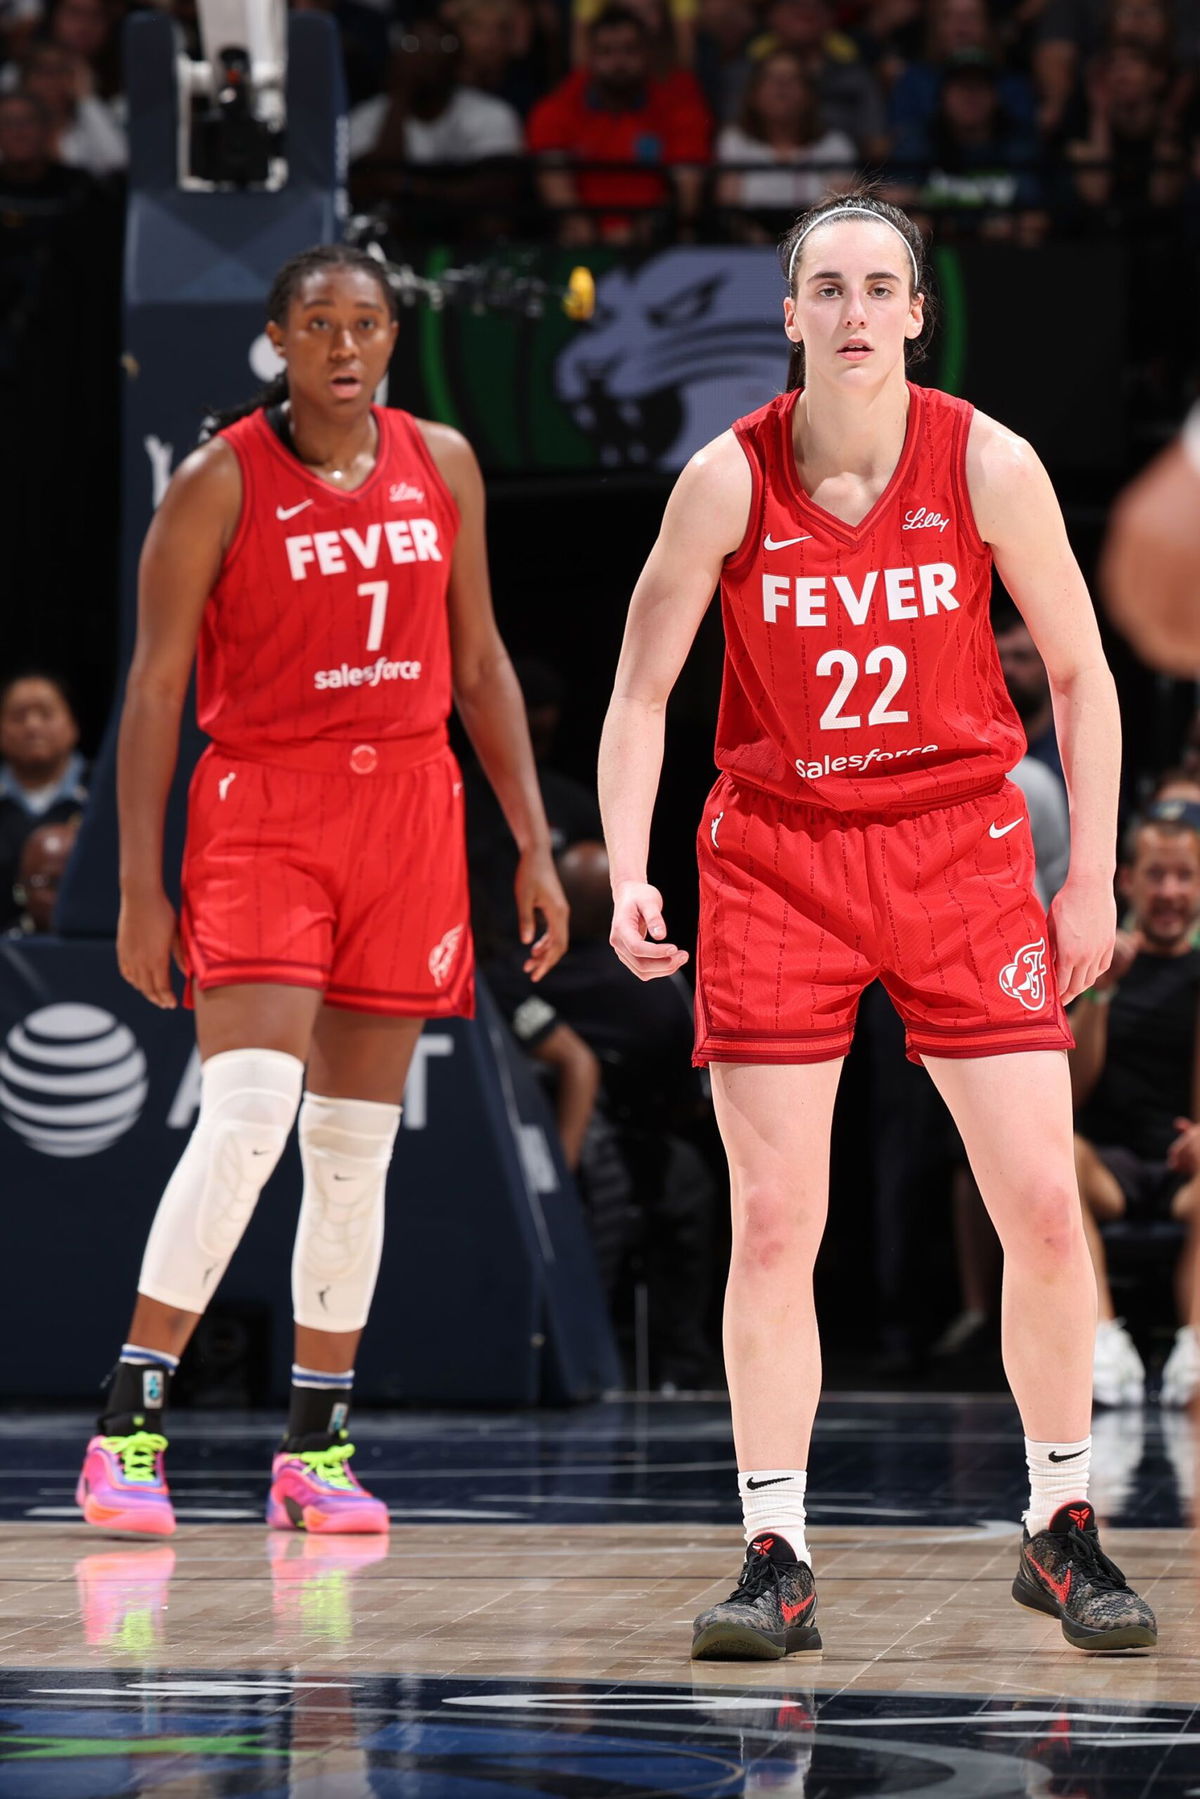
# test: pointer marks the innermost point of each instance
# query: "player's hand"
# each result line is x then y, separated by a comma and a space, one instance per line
1083, 929
539, 890
147, 938
639, 932
1183, 1157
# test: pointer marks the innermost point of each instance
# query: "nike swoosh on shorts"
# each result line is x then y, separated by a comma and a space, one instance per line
1004, 829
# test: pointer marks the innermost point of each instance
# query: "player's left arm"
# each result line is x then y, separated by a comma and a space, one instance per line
488, 697
1017, 513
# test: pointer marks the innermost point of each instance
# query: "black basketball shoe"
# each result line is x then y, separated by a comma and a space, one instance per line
770, 1612
1064, 1572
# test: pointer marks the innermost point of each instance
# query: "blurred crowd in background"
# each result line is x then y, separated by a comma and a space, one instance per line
648, 120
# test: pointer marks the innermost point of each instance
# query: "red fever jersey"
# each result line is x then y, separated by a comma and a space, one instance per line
329, 617
325, 841
861, 672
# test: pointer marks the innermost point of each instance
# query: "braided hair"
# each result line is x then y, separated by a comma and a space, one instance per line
860, 200
284, 288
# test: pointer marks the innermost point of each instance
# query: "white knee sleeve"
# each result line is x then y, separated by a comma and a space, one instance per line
248, 1100
345, 1146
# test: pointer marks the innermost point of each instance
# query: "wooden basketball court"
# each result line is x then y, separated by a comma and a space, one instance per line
525, 1628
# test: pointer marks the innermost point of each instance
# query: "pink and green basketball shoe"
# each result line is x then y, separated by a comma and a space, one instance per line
122, 1485
315, 1490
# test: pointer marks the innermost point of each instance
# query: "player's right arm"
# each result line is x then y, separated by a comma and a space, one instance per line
704, 522
181, 560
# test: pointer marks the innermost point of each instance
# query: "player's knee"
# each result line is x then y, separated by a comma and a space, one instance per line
771, 1227
1051, 1227
346, 1147
248, 1101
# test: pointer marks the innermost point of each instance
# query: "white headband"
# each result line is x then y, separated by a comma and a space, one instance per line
852, 212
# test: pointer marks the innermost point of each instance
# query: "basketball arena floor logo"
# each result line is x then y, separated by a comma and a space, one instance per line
72, 1080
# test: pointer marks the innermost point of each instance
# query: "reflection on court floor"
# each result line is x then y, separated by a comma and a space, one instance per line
524, 1629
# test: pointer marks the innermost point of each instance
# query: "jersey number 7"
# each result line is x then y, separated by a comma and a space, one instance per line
377, 592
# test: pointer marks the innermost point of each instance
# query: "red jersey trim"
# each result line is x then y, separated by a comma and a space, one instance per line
965, 414
743, 555
829, 521
407, 422
238, 540
295, 467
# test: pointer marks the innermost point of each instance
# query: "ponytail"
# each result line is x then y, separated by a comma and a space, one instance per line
275, 393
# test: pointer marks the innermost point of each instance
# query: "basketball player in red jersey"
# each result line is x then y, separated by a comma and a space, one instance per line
863, 825
326, 558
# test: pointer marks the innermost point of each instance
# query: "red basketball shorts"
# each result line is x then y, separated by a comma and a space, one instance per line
334, 869
801, 908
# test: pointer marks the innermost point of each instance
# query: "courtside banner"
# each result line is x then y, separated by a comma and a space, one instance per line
686, 340
488, 1293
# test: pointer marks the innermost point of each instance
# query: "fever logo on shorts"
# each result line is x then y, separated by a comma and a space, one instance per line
441, 956
1025, 977
72, 1080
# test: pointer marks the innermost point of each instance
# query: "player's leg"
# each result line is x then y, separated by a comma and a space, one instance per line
1014, 1115
253, 1041
775, 1124
348, 1123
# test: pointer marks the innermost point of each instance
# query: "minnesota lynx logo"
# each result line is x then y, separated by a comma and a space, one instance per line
676, 349
1025, 977
441, 956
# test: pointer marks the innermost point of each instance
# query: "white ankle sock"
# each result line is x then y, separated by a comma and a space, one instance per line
1057, 1472
773, 1499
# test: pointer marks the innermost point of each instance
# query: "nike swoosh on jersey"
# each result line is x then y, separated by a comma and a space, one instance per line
1004, 829
282, 512
771, 543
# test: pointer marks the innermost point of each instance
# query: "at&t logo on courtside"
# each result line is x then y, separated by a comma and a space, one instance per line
1025, 977
72, 1080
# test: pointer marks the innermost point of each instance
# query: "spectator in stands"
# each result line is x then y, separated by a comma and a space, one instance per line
1133, 1074
44, 857
613, 110
890, 34
85, 130
1072, 33
670, 25
781, 131
724, 32
959, 33
642, 1034
441, 153
42, 774
972, 154
18, 21
849, 95
88, 29
494, 60
1028, 687
427, 114
1129, 164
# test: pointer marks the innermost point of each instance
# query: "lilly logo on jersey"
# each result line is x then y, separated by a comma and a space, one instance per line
922, 519
1024, 978
406, 540
810, 596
